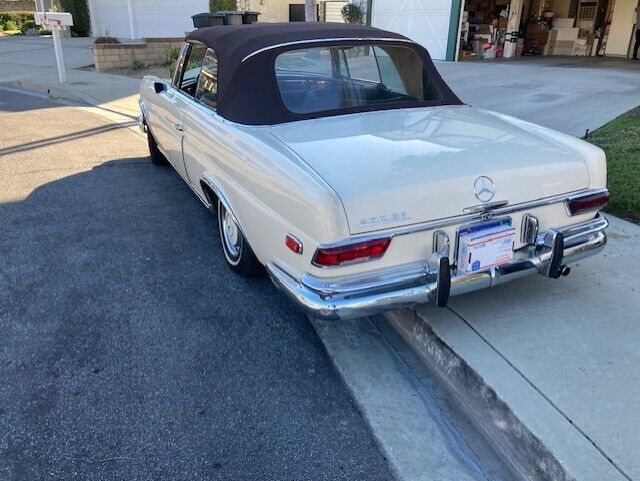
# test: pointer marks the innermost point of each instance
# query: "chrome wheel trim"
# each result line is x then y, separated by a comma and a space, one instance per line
230, 235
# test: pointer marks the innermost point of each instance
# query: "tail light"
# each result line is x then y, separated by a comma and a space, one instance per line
580, 204
350, 253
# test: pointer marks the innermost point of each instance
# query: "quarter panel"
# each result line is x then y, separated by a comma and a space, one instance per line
269, 191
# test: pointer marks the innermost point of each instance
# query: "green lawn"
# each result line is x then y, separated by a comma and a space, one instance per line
620, 139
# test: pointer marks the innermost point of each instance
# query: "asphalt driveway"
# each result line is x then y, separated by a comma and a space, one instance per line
128, 350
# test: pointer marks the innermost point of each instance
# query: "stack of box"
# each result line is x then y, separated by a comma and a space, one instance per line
565, 37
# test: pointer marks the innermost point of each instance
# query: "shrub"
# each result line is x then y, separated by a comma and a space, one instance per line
27, 25
15, 20
217, 5
106, 39
352, 13
137, 64
80, 13
171, 58
10, 25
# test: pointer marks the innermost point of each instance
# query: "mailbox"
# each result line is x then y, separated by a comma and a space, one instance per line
53, 19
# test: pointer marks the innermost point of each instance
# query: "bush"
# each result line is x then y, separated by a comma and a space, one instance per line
217, 5
106, 39
27, 25
10, 25
171, 58
352, 13
137, 64
80, 13
15, 20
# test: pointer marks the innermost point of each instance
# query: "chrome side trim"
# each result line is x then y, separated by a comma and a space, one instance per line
213, 185
321, 40
456, 220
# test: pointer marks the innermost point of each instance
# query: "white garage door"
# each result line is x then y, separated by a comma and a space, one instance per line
167, 18
333, 10
153, 18
424, 21
110, 18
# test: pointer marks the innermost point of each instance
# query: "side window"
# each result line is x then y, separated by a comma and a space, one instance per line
192, 65
207, 89
389, 74
363, 64
177, 70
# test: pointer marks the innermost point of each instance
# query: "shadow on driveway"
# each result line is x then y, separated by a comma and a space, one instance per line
129, 350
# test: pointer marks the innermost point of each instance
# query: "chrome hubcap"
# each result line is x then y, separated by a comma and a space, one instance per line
230, 234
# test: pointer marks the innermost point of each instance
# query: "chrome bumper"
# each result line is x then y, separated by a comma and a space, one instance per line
142, 125
403, 286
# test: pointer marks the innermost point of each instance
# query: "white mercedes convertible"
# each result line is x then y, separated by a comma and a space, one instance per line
336, 156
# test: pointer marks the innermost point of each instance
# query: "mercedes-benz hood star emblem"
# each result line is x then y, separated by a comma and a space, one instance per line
484, 188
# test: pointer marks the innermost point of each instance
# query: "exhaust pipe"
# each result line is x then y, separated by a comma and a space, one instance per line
565, 271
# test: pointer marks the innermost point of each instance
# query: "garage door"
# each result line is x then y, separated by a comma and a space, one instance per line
153, 18
424, 21
110, 18
167, 18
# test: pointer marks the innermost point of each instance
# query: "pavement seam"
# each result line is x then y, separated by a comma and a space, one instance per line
532, 384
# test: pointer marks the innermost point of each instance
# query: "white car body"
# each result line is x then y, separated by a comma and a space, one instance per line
406, 174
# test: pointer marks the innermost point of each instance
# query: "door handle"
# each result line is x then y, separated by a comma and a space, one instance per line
179, 127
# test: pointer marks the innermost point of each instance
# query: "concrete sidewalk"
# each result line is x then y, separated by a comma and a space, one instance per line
29, 63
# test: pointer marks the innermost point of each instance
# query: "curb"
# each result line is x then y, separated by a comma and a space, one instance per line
525, 452
75, 98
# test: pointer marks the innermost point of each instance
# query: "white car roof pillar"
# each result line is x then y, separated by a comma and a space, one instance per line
131, 10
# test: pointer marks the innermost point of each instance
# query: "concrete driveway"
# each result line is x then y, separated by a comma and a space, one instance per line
569, 94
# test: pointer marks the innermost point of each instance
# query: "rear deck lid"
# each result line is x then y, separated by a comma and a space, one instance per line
400, 167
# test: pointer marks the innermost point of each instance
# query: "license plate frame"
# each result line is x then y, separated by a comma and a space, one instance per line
478, 227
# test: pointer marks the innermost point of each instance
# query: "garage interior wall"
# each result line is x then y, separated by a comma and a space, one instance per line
153, 18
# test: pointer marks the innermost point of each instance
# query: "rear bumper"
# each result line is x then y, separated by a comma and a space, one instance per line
403, 286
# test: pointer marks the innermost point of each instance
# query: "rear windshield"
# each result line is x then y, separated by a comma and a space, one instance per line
347, 77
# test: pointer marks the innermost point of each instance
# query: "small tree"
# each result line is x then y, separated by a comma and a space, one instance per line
352, 13
80, 13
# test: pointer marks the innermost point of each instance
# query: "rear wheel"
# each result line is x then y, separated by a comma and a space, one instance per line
237, 251
154, 152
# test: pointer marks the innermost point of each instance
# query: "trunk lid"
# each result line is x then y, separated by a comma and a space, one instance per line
400, 167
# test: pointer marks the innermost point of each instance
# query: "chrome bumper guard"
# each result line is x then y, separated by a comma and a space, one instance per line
361, 295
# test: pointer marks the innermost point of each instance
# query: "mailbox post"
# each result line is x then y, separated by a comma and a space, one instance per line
55, 21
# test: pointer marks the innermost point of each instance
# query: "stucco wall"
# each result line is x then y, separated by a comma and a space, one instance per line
622, 22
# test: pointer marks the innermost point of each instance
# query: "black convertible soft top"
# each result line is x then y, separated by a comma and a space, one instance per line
247, 87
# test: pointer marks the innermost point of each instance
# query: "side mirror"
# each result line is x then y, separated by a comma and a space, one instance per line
160, 87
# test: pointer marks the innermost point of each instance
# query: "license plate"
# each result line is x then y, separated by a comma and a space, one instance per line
485, 245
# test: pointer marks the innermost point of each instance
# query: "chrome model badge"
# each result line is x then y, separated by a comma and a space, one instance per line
484, 188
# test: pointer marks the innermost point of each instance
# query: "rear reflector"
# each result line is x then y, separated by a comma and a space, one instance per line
357, 252
294, 244
587, 202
